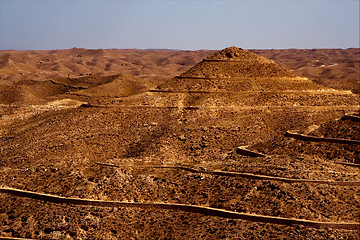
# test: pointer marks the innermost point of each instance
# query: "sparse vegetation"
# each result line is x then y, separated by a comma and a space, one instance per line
51, 143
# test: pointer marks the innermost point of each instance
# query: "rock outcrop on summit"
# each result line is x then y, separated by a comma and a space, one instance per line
235, 62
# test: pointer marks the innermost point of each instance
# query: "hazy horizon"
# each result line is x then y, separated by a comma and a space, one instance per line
170, 49
178, 25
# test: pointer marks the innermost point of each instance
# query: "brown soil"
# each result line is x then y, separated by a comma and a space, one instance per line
335, 68
52, 139
342, 129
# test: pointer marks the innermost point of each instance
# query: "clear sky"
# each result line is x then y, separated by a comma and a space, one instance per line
178, 24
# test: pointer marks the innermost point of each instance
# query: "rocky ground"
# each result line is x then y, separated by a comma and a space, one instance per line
53, 144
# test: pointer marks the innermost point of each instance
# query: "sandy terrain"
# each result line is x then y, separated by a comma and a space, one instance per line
117, 125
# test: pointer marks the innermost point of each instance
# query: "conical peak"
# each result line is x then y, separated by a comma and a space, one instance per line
235, 62
237, 54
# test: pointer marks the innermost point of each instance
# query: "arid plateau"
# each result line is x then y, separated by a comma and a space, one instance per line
172, 144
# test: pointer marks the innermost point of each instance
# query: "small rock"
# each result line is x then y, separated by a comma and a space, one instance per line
182, 137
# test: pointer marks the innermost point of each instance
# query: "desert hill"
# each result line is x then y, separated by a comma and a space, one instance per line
42, 65
335, 68
110, 136
233, 62
40, 92
254, 82
24, 73
234, 69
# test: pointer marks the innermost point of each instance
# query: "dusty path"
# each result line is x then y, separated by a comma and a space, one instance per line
300, 108
247, 92
352, 118
181, 207
320, 139
248, 175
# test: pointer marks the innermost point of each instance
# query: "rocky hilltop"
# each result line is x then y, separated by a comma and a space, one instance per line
235, 62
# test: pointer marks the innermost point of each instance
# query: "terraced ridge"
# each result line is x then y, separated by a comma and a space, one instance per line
351, 117
239, 108
235, 78
235, 62
231, 69
337, 139
182, 207
321, 139
244, 151
350, 164
14, 238
246, 175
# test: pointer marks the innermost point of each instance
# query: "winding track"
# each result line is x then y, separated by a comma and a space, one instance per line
321, 139
350, 164
208, 210
181, 207
293, 108
243, 78
14, 238
254, 92
244, 151
247, 175
351, 117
